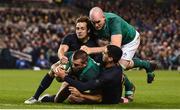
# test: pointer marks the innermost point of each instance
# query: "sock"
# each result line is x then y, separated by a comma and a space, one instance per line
62, 95
48, 98
128, 86
142, 64
45, 83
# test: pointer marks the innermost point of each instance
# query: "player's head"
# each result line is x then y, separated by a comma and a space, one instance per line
112, 53
97, 18
79, 60
83, 27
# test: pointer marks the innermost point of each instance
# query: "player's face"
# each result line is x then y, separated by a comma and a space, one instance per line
77, 65
98, 22
81, 30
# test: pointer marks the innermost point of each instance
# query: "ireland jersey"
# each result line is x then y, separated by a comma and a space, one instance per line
91, 71
116, 25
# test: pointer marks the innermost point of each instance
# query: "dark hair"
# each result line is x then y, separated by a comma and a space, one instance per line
80, 54
115, 52
84, 19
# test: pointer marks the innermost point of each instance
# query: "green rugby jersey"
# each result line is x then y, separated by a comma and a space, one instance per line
116, 25
91, 71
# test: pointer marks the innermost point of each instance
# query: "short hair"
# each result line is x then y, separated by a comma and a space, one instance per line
84, 19
80, 54
115, 52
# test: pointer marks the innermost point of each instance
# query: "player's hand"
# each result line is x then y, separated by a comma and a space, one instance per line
86, 49
64, 60
60, 72
75, 99
74, 91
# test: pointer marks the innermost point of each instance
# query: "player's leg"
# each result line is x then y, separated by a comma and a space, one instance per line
59, 97
47, 98
129, 88
44, 84
63, 93
127, 62
148, 66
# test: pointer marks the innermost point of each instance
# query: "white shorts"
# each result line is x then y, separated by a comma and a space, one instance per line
130, 48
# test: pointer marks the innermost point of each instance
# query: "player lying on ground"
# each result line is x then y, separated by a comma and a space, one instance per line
72, 42
109, 80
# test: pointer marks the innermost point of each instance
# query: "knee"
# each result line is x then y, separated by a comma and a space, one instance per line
71, 99
126, 64
56, 99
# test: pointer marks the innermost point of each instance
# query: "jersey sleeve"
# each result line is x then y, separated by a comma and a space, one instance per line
115, 26
83, 86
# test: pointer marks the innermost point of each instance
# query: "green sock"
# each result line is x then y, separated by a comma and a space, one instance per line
142, 64
128, 86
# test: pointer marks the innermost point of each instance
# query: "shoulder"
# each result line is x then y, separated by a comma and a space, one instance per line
92, 65
71, 35
69, 38
93, 62
111, 15
115, 69
92, 40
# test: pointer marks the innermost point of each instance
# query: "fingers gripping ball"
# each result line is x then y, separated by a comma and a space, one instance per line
59, 79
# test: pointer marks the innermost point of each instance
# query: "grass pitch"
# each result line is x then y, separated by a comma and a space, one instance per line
18, 85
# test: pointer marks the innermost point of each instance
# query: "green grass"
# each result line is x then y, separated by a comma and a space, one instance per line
18, 85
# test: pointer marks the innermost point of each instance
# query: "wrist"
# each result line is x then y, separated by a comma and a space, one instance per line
81, 95
90, 51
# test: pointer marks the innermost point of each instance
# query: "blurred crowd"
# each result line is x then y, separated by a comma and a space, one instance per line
38, 32
35, 32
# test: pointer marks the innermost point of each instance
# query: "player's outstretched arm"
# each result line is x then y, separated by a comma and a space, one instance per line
92, 50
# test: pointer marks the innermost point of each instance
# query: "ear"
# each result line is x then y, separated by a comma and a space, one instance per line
110, 59
85, 64
104, 17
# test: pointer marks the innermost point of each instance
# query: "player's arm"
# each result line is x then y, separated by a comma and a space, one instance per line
104, 78
86, 96
116, 32
116, 40
81, 86
92, 98
63, 93
61, 52
93, 50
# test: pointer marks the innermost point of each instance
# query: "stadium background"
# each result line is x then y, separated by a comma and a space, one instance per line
30, 29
